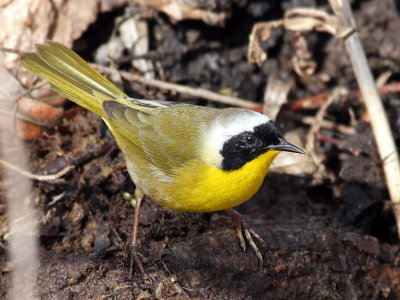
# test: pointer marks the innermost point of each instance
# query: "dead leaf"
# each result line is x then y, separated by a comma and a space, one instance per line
299, 20
24, 23
261, 32
14, 114
302, 60
39, 112
307, 19
179, 10
77, 213
275, 95
299, 165
135, 37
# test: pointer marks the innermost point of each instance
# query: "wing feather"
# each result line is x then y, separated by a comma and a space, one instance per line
163, 137
73, 66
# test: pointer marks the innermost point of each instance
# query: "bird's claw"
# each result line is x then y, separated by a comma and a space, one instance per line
250, 234
137, 258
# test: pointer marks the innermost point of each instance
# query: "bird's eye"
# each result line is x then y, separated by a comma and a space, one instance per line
250, 140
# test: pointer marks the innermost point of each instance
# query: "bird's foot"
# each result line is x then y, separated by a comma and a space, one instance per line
137, 258
250, 234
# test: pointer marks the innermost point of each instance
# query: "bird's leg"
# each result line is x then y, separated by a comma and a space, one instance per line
136, 257
241, 227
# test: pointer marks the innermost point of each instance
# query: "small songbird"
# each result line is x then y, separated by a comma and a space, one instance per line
184, 157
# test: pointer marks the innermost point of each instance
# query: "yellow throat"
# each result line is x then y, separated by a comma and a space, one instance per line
217, 189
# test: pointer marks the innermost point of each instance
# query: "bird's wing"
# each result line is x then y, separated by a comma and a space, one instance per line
161, 136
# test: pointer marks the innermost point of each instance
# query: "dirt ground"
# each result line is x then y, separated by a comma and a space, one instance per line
330, 233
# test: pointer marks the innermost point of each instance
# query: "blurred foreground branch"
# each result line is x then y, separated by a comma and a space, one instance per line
23, 242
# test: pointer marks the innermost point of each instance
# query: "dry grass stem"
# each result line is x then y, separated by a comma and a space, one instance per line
194, 92
379, 122
326, 124
36, 177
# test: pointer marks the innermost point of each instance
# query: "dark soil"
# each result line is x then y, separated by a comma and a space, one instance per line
335, 239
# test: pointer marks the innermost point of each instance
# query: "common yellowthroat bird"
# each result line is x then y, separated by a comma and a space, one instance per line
184, 157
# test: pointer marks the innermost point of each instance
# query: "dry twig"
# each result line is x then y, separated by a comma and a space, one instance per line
313, 102
313, 132
326, 124
194, 92
32, 176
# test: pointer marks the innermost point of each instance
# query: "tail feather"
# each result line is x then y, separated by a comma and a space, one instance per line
71, 76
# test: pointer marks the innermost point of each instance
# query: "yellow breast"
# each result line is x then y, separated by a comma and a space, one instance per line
203, 188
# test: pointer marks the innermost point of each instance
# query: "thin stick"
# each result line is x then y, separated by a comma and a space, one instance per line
315, 127
32, 176
379, 122
326, 124
9, 50
315, 101
195, 92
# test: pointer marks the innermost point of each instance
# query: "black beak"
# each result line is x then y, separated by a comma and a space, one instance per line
284, 145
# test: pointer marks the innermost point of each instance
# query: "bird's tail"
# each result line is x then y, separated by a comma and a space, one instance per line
71, 76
